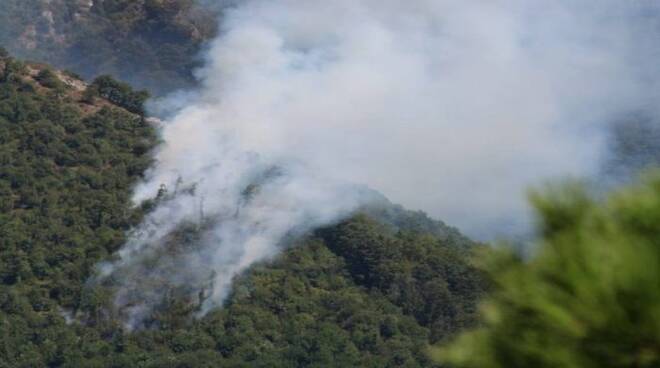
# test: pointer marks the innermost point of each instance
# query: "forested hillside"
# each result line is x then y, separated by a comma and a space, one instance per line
154, 44
374, 290
383, 287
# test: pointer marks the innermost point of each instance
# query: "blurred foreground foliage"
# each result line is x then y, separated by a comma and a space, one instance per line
589, 298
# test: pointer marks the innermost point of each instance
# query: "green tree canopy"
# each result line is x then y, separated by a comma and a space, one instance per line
121, 94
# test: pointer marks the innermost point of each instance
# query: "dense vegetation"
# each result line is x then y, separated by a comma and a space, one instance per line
119, 93
151, 43
365, 292
590, 297
374, 290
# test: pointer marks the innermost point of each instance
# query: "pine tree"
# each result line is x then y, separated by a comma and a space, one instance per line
590, 297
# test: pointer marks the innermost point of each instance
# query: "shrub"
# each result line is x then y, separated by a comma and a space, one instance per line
49, 79
589, 298
121, 94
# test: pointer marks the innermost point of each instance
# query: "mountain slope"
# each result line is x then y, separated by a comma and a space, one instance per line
152, 43
364, 292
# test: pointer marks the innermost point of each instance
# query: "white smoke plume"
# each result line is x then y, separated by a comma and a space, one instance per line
452, 107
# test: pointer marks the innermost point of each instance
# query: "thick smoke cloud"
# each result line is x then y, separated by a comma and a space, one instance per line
452, 107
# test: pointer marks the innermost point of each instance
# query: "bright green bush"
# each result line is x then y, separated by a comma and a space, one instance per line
589, 298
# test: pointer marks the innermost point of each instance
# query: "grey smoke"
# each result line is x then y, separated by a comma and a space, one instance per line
452, 107
633, 146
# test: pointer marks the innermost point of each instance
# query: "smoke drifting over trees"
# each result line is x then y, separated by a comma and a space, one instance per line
303, 112
360, 293
454, 108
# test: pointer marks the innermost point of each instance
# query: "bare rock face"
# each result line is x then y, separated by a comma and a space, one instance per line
46, 26
152, 44
54, 21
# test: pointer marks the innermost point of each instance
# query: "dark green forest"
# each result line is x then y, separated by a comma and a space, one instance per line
375, 290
